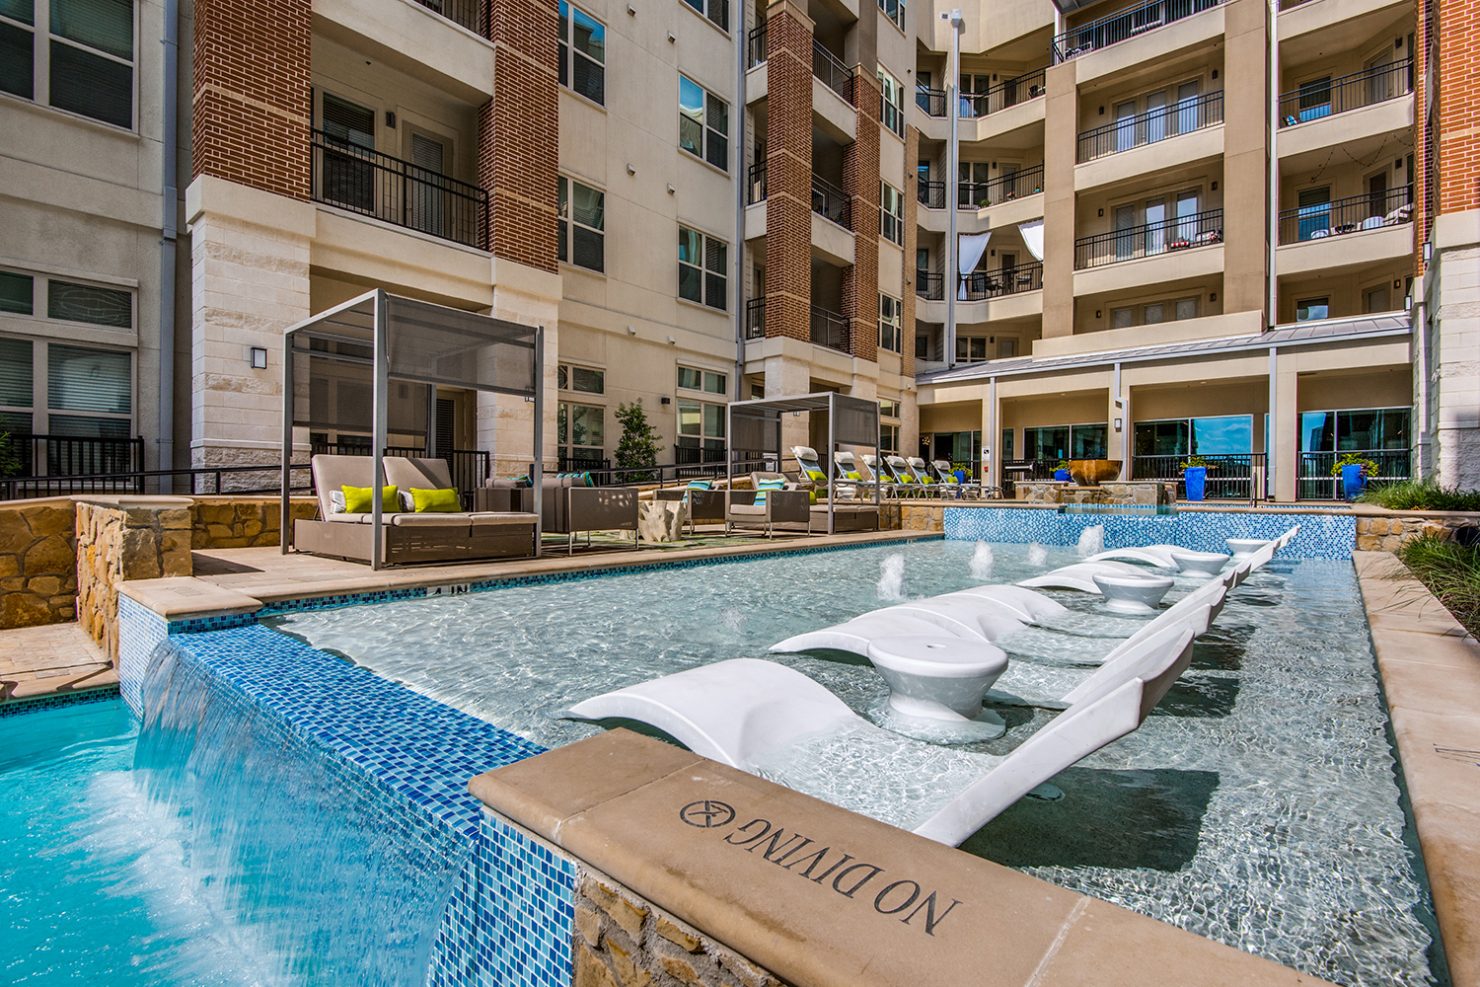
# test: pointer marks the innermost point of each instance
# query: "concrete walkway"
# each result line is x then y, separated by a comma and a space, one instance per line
44, 661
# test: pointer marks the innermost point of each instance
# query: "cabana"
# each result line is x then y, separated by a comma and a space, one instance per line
755, 426
374, 364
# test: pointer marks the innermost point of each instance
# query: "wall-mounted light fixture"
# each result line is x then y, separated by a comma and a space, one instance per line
631, 168
1119, 424
1098, 313
665, 400
1407, 302
258, 356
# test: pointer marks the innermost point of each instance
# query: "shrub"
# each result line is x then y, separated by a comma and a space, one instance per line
637, 450
1451, 571
1421, 495
1369, 466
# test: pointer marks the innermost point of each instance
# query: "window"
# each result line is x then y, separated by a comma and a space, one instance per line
87, 303
16, 293
922, 345
888, 409
1313, 213
1311, 309
702, 266
582, 379
1315, 99
1375, 299
1186, 308
17, 373
92, 390
582, 53
890, 335
349, 172
701, 430
716, 10
703, 123
708, 381
580, 431
891, 99
891, 213
1006, 449
889, 439
582, 224
971, 349
1048, 443
1367, 430
1122, 318
894, 10
1218, 435
75, 55
1153, 313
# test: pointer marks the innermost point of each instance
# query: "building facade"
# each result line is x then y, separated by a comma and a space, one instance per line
1186, 226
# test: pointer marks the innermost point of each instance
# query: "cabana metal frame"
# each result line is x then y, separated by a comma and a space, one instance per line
414, 342
756, 425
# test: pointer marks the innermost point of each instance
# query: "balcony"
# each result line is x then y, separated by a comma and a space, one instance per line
1202, 229
1016, 185
389, 189
830, 329
1010, 92
1002, 281
1183, 117
828, 201
470, 14
755, 47
1346, 233
932, 195
1330, 97
755, 319
930, 286
1315, 482
1123, 26
830, 69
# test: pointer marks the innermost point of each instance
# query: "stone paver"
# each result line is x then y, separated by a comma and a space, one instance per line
56, 658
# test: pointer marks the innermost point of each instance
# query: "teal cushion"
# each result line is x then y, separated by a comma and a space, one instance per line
763, 486
699, 485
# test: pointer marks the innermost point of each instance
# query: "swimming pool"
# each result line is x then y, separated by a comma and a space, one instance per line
1259, 806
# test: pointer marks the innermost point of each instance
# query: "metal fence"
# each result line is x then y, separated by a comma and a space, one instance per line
755, 46
471, 14
1233, 476
1328, 97
755, 318
830, 329
831, 202
1010, 92
1183, 233
1014, 185
755, 183
1313, 479
1000, 281
198, 480
75, 455
932, 195
830, 69
1124, 25
469, 467
367, 182
1370, 211
1181, 117
930, 286
932, 101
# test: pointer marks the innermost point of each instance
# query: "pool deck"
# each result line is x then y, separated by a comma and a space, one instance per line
52, 660
1430, 671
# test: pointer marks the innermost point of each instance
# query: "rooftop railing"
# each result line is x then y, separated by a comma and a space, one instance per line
1182, 117
830, 69
470, 14
1183, 233
830, 329
1327, 97
1351, 214
1014, 185
367, 182
1124, 25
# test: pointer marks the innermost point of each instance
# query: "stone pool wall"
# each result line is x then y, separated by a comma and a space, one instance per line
243, 522
125, 538
38, 568
1389, 531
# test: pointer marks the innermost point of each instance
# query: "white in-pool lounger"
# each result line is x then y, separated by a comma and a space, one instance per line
1027, 605
1126, 588
778, 723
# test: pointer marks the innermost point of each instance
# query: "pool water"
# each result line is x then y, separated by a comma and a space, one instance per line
1258, 806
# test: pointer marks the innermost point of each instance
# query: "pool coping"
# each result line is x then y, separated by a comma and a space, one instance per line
1430, 671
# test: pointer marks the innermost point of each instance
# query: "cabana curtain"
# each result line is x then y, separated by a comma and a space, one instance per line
972, 246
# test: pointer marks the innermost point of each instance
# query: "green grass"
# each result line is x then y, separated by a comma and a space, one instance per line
1451, 571
1421, 495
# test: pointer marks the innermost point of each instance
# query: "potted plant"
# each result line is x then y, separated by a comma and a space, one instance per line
1061, 471
1195, 477
1354, 471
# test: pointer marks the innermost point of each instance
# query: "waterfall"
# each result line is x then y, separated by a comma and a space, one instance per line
328, 879
1037, 555
891, 578
981, 561
1091, 541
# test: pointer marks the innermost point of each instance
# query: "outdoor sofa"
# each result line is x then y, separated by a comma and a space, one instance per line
568, 506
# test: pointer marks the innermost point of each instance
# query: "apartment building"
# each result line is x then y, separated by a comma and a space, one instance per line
702, 201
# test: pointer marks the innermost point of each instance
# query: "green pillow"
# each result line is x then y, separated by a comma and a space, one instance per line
852, 475
357, 500
816, 476
441, 500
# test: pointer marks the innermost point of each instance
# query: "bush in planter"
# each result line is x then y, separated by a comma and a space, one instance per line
1354, 471
1421, 495
1195, 476
1061, 471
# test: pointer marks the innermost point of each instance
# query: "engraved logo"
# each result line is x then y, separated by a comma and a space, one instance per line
707, 814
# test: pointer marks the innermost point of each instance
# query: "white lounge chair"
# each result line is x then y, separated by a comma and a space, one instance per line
1199, 563
1159, 556
850, 470
1028, 605
778, 723
1027, 683
1125, 588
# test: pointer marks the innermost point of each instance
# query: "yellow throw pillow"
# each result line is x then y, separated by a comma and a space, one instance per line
443, 500
357, 500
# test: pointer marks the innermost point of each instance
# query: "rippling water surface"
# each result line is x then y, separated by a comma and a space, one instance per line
1257, 806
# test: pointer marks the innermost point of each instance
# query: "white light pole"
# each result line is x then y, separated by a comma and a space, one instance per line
953, 168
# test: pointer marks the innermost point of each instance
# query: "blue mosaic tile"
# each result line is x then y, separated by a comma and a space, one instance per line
100, 694
1323, 535
140, 630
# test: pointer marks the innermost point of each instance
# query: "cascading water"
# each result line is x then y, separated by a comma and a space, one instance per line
891, 578
329, 883
981, 561
1091, 541
1037, 555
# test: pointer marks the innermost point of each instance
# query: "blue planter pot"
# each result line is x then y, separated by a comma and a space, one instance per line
1353, 481
1061, 474
1196, 478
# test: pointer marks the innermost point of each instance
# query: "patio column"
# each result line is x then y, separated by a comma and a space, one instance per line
992, 435
787, 377
1117, 444
1284, 429
1061, 112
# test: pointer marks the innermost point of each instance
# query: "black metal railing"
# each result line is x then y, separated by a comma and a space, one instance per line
930, 286
74, 455
1313, 479
830, 202
1184, 233
197, 480
1351, 214
469, 467
829, 329
755, 46
1181, 117
755, 183
830, 69
373, 184
1005, 188
582, 464
1328, 97
932, 101
1124, 25
1000, 281
755, 318
1026, 469
932, 195
1231, 476
471, 14
1010, 92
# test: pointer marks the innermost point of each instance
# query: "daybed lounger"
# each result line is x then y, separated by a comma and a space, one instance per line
406, 536
768, 719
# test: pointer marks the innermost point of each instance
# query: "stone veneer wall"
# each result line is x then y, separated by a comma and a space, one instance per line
126, 541
1390, 532
622, 941
243, 522
38, 570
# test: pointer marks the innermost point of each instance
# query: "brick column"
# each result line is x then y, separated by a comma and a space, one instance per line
251, 101
519, 132
1060, 130
1245, 157
861, 183
911, 243
788, 172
